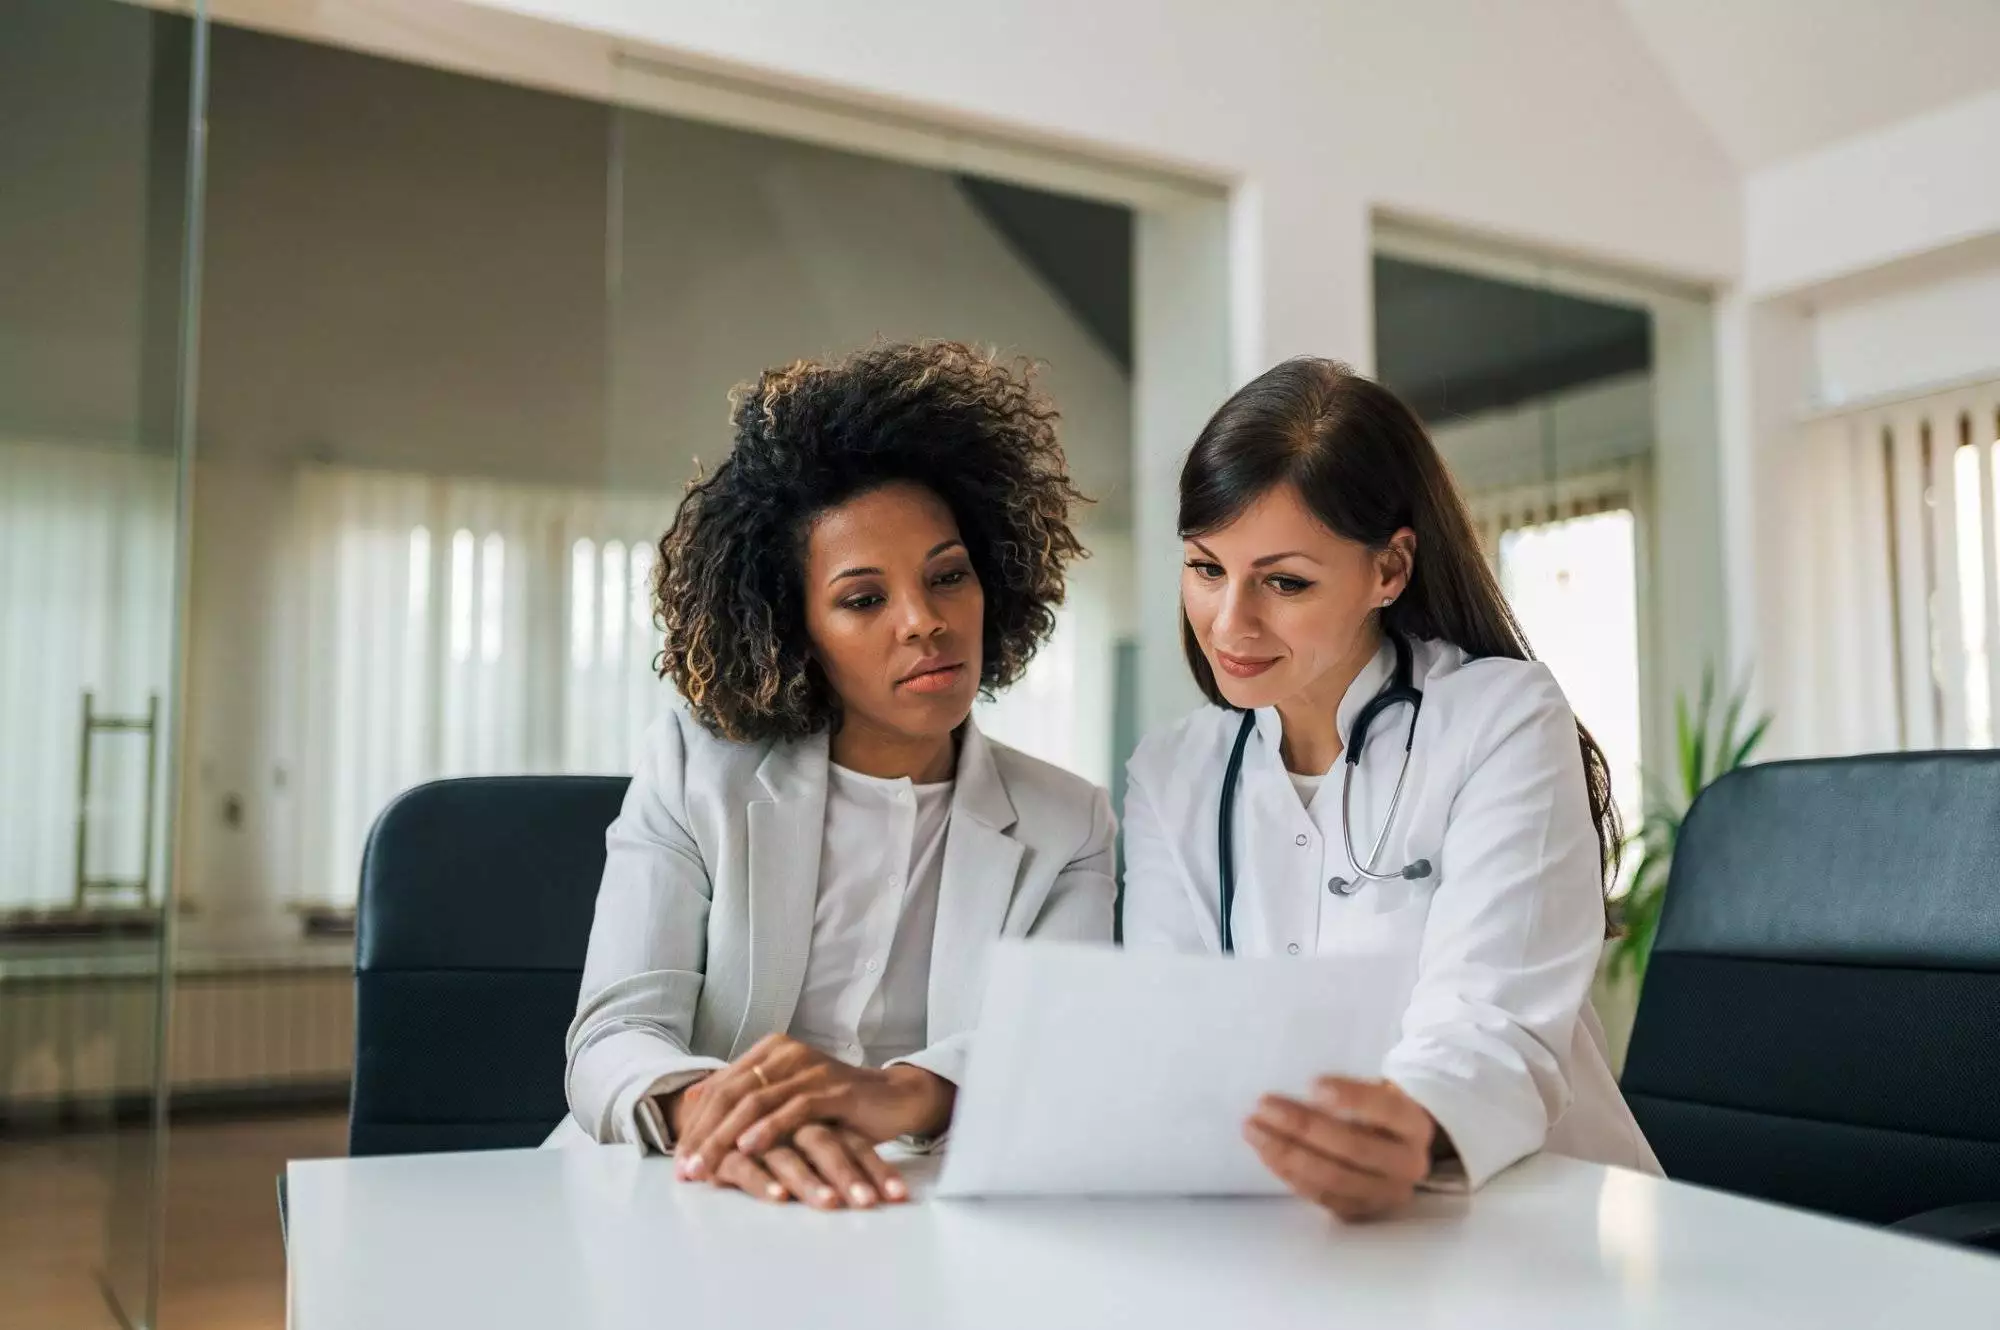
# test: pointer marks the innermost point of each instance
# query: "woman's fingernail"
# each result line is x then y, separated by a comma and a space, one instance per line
824, 1195
749, 1141
896, 1190
861, 1195
691, 1166
775, 1192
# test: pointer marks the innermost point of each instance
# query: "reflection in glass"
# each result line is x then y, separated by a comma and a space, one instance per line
100, 175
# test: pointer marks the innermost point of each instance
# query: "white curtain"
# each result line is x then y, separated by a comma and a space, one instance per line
460, 627
86, 606
1891, 591
455, 627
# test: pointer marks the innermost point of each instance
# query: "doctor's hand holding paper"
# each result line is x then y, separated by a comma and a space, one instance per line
819, 849
1383, 772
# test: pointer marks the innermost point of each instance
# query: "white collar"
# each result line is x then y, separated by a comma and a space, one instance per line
1373, 675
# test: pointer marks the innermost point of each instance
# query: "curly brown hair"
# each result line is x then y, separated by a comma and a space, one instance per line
729, 591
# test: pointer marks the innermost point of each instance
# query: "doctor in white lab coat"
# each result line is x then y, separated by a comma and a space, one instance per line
1320, 525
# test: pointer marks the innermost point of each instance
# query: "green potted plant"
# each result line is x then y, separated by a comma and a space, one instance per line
1703, 754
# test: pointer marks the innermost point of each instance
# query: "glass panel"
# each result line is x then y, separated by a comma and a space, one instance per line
438, 453
735, 251
95, 155
1542, 402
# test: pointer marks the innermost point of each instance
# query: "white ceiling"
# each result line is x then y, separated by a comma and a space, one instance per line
1773, 78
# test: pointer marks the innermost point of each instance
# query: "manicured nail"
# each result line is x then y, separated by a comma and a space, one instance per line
691, 1166
861, 1195
824, 1195
896, 1190
775, 1192
749, 1141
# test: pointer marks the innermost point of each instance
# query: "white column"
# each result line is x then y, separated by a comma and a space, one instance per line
1689, 598
1180, 375
1221, 292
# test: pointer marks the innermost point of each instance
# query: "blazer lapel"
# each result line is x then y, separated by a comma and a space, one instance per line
981, 864
785, 833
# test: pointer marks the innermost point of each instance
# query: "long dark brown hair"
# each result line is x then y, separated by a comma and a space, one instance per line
1366, 468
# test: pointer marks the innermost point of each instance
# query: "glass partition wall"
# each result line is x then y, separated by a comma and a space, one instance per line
463, 343
100, 177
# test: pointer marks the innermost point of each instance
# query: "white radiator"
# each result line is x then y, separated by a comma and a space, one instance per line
80, 1039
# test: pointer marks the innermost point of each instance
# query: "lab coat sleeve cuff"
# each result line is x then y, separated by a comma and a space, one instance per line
1483, 1144
946, 1060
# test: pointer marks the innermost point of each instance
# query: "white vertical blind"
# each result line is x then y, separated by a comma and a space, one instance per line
1909, 535
1893, 632
1940, 441
86, 605
1986, 499
460, 627
474, 627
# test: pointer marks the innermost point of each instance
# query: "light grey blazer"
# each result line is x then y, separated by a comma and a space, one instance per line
705, 914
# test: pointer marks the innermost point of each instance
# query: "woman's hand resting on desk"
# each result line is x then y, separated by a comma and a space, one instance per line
785, 1121
1359, 1148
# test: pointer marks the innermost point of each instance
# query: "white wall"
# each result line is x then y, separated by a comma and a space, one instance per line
1549, 125
1549, 121
1910, 189
407, 269
1871, 268
1916, 334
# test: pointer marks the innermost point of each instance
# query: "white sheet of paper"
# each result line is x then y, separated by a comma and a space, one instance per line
1105, 1072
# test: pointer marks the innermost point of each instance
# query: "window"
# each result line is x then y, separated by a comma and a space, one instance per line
1567, 556
1975, 500
1573, 584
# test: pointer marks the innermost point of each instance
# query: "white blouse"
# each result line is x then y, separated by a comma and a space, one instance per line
868, 972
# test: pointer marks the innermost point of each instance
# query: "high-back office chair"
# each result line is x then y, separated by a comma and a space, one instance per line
1820, 1023
476, 902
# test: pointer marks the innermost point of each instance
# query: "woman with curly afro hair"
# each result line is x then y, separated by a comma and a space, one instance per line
819, 847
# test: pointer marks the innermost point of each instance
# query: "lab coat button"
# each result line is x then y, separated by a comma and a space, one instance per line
1301, 840
1293, 949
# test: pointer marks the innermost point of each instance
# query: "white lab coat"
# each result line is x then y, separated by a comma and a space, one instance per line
1498, 1039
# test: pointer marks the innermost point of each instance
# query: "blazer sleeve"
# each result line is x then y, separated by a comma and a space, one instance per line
1077, 909
1159, 910
642, 975
1510, 945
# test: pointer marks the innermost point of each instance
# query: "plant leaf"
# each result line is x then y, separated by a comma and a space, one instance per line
1725, 742
1683, 745
1750, 741
1704, 713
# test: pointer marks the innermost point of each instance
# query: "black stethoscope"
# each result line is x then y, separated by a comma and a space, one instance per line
1400, 689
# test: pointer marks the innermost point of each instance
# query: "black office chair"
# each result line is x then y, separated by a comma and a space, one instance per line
476, 902
1820, 1023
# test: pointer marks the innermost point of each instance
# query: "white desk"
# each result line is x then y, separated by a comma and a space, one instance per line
590, 1239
